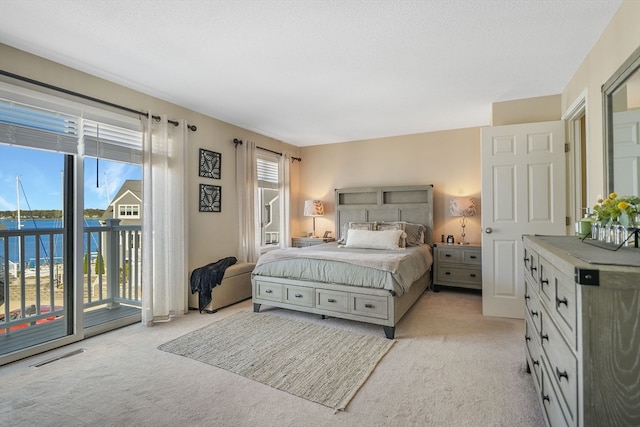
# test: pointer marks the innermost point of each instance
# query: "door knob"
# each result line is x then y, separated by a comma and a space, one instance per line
488, 230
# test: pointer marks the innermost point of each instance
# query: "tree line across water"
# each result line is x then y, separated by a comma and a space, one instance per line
47, 214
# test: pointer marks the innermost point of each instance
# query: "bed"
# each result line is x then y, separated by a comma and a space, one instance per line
362, 276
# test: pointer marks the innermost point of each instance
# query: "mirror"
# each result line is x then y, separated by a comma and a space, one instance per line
621, 123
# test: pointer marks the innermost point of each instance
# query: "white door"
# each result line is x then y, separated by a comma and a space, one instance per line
523, 192
626, 149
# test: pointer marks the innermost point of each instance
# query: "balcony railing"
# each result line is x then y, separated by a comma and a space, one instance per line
32, 290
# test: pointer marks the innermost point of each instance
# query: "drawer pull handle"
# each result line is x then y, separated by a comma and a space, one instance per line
544, 337
472, 256
268, 291
298, 295
534, 268
331, 300
561, 375
533, 312
472, 275
545, 397
536, 362
447, 255
368, 306
526, 260
447, 273
544, 281
561, 301
527, 338
526, 296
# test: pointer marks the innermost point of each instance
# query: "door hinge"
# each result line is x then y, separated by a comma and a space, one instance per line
567, 220
567, 148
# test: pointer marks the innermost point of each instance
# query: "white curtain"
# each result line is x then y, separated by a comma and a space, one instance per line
164, 220
247, 187
285, 214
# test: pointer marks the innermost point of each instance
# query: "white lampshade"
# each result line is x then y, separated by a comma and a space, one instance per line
462, 206
313, 208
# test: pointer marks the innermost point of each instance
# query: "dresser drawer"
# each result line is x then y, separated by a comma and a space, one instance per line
546, 280
369, 305
269, 291
298, 295
532, 338
472, 256
449, 255
533, 314
565, 307
563, 367
457, 274
332, 300
531, 265
550, 400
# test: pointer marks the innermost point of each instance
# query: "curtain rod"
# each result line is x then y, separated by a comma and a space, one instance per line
237, 141
87, 97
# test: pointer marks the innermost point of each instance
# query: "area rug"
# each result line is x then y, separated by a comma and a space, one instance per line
315, 362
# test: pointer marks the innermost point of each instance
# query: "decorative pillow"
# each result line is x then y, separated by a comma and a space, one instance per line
415, 234
355, 226
383, 226
366, 239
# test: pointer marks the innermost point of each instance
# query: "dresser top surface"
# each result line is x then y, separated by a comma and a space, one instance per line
570, 253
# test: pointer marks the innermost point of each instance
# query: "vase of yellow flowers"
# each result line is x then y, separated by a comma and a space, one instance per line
617, 216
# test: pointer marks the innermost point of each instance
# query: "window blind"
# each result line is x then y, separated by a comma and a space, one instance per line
36, 120
267, 173
37, 128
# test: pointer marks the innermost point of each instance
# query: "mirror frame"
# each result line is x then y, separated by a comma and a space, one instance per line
619, 78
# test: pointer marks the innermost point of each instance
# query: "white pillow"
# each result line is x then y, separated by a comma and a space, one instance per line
365, 239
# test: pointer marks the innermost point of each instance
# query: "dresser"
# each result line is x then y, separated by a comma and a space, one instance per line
301, 242
458, 265
583, 331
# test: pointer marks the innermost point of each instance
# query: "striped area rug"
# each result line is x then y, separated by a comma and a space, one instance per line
315, 362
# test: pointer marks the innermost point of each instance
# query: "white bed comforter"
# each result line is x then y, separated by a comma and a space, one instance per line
393, 270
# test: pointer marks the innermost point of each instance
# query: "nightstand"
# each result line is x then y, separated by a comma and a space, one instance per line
458, 265
301, 242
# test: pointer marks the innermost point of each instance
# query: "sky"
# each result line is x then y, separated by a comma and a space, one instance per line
40, 174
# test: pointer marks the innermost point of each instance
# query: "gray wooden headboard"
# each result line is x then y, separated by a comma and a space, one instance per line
386, 204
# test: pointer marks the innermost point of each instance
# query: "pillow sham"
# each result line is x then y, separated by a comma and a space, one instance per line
364, 225
395, 226
367, 239
415, 234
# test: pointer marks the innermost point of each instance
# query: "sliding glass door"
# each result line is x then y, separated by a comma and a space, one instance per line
35, 237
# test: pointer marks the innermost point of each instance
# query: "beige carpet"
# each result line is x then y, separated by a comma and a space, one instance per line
450, 366
315, 362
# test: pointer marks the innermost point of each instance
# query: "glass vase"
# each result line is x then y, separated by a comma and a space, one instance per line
617, 232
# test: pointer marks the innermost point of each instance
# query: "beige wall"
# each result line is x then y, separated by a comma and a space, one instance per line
212, 236
618, 41
450, 160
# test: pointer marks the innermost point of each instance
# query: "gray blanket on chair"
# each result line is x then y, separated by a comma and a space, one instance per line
204, 279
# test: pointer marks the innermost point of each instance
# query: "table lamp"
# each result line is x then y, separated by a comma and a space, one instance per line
313, 208
462, 207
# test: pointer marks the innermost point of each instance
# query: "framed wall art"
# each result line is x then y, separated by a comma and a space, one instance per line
210, 198
210, 164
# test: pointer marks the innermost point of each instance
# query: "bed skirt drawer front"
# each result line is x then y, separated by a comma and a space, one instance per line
298, 295
269, 291
369, 305
332, 300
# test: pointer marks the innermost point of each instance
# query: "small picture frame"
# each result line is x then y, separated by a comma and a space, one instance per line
210, 164
210, 198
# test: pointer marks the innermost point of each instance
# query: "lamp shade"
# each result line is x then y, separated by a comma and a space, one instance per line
462, 206
313, 208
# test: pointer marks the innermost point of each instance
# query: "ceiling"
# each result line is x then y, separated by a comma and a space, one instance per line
319, 72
